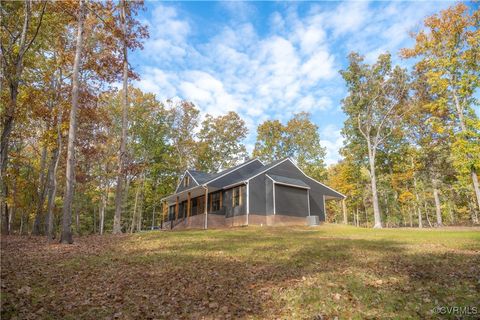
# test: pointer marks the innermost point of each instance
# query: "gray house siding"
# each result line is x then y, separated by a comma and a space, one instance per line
289, 170
257, 195
291, 201
269, 195
190, 184
230, 210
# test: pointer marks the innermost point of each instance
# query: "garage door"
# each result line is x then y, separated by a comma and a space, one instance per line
291, 201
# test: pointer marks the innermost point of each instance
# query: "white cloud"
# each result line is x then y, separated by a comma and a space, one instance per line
331, 138
271, 75
348, 17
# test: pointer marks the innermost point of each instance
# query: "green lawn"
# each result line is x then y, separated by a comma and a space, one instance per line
254, 272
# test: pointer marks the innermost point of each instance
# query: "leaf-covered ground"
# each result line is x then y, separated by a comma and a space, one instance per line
260, 273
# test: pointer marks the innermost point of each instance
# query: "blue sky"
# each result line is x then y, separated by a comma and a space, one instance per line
268, 60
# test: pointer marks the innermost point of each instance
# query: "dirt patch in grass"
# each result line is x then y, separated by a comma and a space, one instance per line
258, 273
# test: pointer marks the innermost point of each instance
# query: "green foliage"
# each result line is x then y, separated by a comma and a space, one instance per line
220, 142
298, 139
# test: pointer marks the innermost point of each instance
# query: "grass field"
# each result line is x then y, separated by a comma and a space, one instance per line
260, 273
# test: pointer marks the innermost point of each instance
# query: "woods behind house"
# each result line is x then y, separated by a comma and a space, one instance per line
79, 156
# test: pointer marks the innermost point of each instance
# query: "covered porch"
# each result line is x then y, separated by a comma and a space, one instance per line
189, 206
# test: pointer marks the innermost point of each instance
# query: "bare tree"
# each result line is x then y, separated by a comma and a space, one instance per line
66, 236
117, 225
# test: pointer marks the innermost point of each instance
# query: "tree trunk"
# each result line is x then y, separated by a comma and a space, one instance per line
102, 211
77, 220
358, 218
53, 181
354, 216
153, 216
22, 217
373, 181
66, 236
13, 210
426, 213
417, 198
366, 211
134, 216
117, 228
451, 207
476, 188
411, 216
40, 193
438, 208
450, 213
94, 220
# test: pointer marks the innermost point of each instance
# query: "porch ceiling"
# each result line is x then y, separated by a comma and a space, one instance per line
333, 198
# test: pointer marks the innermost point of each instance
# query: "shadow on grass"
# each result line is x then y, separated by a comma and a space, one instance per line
268, 273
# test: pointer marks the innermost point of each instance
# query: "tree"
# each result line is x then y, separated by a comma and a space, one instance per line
298, 139
449, 49
270, 141
117, 228
430, 128
183, 119
66, 236
302, 143
16, 40
219, 144
374, 106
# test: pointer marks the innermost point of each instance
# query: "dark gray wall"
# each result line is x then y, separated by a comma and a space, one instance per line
260, 196
268, 195
291, 201
257, 192
231, 211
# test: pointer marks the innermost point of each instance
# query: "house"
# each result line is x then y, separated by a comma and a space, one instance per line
279, 193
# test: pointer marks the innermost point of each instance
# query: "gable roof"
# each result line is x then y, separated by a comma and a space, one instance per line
200, 176
273, 164
203, 178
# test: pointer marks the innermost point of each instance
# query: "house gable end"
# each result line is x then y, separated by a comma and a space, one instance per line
191, 182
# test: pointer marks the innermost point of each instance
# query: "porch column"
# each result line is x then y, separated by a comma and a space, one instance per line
176, 209
324, 208
161, 216
308, 201
248, 200
206, 208
188, 205
344, 208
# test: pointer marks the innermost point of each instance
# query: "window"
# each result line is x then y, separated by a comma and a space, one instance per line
194, 207
216, 201
237, 196
186, 181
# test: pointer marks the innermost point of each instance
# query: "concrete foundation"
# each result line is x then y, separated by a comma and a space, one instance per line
219, 221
